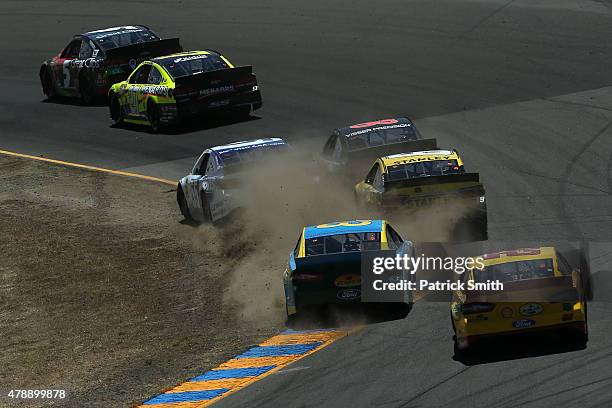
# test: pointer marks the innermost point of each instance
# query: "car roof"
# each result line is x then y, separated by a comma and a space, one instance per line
521, 254
343, 227
117, 29
420, 156
249, 144
365, 127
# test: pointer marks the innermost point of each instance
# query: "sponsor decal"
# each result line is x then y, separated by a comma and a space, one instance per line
374, 123
191, 57
523, 323
216, 90
348, 280
348, 294
159, 90
360, 132
531, 309
87, 63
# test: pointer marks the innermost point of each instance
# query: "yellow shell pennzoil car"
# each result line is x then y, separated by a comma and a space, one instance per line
167, 89
408, 182
541, 291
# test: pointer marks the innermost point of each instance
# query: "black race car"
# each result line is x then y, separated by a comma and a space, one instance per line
350, 150
93, 61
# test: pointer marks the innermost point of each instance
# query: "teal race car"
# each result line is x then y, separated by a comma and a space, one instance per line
325, 268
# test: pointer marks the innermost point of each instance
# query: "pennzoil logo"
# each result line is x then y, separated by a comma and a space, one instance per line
348, 280
531, 309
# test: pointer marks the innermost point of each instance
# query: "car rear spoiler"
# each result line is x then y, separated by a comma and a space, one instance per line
424, 181
372, 153
144, 51
205, 79
551, 289
344, 262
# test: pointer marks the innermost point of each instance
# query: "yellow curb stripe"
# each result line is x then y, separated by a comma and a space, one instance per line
285, 339
87, 167
256, 362
209, 385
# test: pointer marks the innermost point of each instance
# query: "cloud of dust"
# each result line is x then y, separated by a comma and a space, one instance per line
283, 194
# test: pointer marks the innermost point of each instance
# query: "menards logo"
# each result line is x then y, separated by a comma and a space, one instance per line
219, 89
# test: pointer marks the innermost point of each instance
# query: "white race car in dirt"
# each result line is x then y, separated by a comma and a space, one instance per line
211, 191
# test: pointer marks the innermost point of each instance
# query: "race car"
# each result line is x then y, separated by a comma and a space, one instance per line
349, 150
212, 190
541, 292
325, 266
167, 89
407, 182
93, 61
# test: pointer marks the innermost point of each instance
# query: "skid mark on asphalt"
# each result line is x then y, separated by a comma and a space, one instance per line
254, 364
87, 167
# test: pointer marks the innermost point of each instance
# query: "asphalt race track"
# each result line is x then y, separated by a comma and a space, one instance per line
522, 88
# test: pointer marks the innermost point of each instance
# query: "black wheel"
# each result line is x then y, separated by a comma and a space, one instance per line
115, 109
182, 202
153, 117
86, 90
46, 80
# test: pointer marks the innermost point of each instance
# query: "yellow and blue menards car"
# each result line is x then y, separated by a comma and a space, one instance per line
412, 181
325, 266
164, 90
541, 291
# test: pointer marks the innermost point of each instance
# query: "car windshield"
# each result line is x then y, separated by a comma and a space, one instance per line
423, 169
515, 271
382, 135
192, 64
236, 156
121, 37
363, 241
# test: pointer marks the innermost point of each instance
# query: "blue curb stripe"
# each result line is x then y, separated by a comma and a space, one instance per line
187, 396
232, 373
277, 351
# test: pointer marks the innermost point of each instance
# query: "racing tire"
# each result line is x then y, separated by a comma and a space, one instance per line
114, 108
153, 116
182, 203
46, 81
87, 91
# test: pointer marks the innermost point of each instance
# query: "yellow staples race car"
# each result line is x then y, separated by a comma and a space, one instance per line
166, 89
541, 291
407, 182
325, 268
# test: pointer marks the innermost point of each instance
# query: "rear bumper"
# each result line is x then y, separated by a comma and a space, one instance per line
191, 108
573, 326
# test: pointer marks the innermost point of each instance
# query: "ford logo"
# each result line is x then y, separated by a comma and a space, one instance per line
530, 309
521, 324
348, 294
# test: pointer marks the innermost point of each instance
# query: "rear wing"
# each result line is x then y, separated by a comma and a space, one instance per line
551, 289
424, 181
144, 51
209, 79
346, 262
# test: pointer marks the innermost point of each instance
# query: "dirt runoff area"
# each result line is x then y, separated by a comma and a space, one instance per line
104, 292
